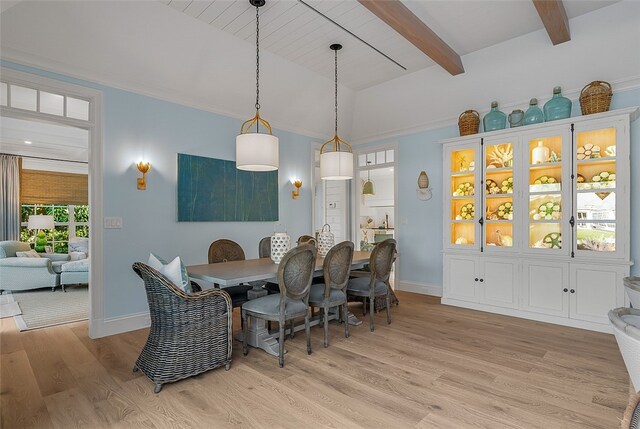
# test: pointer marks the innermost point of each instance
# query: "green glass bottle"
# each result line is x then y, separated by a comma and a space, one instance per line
558, 107
495, 119
534, 114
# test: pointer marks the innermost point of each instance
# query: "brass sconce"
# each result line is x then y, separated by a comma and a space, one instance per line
296, 192
143, 167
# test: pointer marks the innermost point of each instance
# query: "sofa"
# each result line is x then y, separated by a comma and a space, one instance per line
18, 273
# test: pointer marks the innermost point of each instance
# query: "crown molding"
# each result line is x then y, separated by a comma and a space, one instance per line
88, 78
620, 85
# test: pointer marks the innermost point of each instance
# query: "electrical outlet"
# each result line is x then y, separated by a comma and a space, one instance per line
113, 222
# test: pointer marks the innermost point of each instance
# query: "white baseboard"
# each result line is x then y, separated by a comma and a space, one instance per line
99, 328
422, 288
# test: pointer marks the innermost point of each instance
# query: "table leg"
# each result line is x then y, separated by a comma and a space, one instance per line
258, 336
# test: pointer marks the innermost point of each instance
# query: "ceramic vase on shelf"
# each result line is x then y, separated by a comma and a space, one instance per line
325, 239
534, 114
540, 154
495, 119
516, 118
558, 107
280, 244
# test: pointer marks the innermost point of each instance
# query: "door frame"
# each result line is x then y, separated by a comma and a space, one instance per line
95, 171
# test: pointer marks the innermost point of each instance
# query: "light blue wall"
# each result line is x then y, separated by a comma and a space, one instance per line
138, 127
420, 222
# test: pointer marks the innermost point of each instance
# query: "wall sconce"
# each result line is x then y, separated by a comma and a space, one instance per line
424, 191
296, 192
143, 167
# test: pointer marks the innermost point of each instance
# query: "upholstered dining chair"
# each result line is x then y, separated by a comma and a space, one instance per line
264, 248
377, 283
294, 278
333, 292
190, 332
306, 239
224, 250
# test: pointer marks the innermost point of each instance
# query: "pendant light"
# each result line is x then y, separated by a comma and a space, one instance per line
256, 151
336, 155
367, 188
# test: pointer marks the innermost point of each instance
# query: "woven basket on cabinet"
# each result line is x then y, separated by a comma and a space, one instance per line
469, 122
595, 97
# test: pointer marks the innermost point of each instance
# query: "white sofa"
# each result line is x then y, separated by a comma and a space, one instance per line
28, 273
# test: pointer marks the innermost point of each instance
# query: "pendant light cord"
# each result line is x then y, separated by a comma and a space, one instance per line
257, 66
336, 92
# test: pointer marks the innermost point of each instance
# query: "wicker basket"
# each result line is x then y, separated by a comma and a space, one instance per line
469, 122
595, 97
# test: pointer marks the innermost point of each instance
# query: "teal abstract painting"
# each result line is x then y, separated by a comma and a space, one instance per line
214, 190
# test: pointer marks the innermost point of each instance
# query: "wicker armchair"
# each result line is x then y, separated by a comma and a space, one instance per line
190, 332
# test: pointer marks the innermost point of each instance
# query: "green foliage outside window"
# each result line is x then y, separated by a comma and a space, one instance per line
58, 238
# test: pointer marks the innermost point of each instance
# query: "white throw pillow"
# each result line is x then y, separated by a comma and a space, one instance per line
174, 271
28, 254
76, 256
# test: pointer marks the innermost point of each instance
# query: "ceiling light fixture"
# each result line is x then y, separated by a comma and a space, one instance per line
336, 155
256, 151
28, 142
367, 188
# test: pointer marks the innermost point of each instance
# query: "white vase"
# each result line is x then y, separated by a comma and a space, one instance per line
326, 240
539, 154
280, 244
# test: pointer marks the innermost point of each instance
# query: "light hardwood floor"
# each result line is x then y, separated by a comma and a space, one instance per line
434, 367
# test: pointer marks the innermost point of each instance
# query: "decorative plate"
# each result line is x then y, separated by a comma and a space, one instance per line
580, 179
464, 189
506, 187
505, 211
545, 180
553, 240
604, 176
467, 211
492, 187
549, 210
588, 151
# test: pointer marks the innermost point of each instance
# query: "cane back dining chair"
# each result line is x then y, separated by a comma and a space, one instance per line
333, 292
377, 284
294, 278
224, 250
264, 248
303, 239
190, 332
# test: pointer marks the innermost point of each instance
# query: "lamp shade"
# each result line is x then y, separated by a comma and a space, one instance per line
40, 222
367, 188
256, 152
336, 165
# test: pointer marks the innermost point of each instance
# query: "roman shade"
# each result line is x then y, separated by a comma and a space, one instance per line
50, 187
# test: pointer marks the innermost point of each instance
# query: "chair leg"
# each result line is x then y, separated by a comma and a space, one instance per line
307, 330
326, 324
158, 388
245, 349
372, 301
345, 315
292, 333
241, 321
388, 308
281, 344
364, 305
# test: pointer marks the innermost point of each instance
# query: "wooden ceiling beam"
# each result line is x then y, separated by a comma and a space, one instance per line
400, 18
554, 18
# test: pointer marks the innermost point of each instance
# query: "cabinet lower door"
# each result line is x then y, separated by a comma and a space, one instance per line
543, 287
499, 285
460, 274
595, 290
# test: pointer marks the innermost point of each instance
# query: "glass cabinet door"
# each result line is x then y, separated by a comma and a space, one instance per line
500, 183
596, 215
548, 201
462, 197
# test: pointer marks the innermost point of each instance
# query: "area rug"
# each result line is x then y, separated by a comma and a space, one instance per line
42, 308
8, 307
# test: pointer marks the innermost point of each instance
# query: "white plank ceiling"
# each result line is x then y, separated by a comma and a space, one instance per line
293, 31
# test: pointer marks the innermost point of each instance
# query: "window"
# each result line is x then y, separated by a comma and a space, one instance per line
35, 100
69, 220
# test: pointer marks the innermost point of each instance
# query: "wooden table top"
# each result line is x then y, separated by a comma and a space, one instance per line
235, 272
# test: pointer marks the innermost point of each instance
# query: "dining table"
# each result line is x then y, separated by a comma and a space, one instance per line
253, 271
